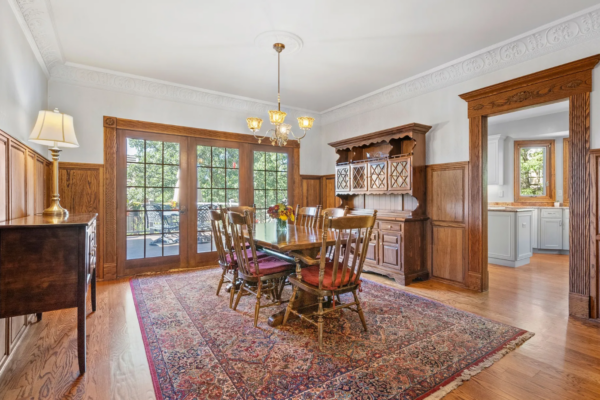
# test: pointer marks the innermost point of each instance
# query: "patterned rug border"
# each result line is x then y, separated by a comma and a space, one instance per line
435, 393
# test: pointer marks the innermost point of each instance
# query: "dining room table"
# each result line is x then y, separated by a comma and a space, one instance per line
297, 238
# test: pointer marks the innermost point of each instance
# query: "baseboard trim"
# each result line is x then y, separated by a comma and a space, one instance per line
507, 263
579, 305
544, 251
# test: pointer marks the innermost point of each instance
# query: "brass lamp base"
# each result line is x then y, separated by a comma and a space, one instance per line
56, 210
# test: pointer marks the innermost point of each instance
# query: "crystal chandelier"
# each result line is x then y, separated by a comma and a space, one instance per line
281, 131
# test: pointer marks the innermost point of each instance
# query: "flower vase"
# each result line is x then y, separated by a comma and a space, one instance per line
281, 225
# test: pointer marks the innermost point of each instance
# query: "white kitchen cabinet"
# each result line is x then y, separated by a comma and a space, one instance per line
551, 233
495, 160
509, 237
565, 230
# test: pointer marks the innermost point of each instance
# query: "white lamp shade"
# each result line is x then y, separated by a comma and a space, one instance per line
54, 127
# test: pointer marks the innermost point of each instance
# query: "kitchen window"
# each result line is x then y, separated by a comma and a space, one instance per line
534, 171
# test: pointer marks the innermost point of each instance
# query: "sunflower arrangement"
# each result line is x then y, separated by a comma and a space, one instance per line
281, 212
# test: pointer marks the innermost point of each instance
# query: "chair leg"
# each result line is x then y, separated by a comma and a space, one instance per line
360, 311
320, 322
239, 296
221, 281
257, 305
232, 291
289, 306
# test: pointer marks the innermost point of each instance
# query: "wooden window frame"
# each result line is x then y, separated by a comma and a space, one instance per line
550, 171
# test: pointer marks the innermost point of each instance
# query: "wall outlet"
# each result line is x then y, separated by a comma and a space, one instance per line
501, 193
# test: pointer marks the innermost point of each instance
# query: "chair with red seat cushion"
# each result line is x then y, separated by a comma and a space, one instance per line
224, 252
260, 276
337, 274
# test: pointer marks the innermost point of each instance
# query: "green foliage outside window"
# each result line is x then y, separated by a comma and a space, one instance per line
532, 171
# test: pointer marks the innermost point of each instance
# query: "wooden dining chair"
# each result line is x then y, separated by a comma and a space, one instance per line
242, 209
261, 277
307, 216
225, 252
337, 276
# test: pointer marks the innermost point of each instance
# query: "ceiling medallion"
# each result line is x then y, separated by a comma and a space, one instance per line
265, 40
280, 133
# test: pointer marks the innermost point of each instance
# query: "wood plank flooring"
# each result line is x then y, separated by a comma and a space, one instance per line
562, 361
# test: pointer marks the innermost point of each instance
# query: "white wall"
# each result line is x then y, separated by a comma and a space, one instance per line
528, 129
23, 84
448, 141
88, 105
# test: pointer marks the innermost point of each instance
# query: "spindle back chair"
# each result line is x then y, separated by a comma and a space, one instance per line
338, 275
262, 277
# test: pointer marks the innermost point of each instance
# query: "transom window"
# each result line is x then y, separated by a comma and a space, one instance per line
270, 181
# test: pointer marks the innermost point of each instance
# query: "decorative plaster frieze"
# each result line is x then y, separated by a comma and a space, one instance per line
565, 33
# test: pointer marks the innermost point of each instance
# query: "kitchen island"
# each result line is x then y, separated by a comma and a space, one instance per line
509, 236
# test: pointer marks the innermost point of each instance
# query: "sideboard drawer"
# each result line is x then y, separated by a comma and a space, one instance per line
390, 226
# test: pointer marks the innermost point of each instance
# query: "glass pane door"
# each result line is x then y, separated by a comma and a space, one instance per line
270, 181
153, 204
218, 180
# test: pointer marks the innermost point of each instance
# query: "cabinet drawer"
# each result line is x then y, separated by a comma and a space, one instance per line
546, 213
390, 226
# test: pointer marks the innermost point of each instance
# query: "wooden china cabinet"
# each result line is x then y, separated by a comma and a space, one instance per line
385, 171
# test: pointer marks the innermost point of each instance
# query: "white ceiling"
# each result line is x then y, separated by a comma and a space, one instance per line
350, 47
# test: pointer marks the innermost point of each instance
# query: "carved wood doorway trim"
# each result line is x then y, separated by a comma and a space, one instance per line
572, 81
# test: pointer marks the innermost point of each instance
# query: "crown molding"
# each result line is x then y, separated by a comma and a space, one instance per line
570, 31
37, 17
567, 32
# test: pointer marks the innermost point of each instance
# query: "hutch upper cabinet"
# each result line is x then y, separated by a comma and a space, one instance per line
391, 163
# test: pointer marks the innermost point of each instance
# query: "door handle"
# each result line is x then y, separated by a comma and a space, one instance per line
183, 210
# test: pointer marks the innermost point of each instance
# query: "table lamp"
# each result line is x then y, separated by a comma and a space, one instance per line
55, 129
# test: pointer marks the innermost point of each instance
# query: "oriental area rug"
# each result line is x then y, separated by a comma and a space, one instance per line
415, 348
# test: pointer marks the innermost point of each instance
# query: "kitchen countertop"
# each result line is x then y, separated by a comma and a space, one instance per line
510, 209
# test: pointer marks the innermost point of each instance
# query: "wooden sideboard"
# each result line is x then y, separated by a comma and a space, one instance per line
386, 171
46, 264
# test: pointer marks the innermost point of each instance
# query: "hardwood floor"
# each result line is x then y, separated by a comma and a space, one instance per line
562, 361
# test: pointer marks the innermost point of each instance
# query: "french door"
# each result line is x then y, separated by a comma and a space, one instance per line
152, 201
167, 185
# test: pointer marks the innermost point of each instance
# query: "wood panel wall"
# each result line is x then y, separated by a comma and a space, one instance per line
81, 188
594, 276
318, 190
447, 236
24, 176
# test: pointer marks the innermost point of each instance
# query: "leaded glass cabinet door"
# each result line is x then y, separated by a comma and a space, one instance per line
378, 181
342, 179
358, 173
400, 173
152, 201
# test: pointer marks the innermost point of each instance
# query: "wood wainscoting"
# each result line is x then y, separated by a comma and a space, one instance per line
81, 188
447, 202
318, 190
24, 190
